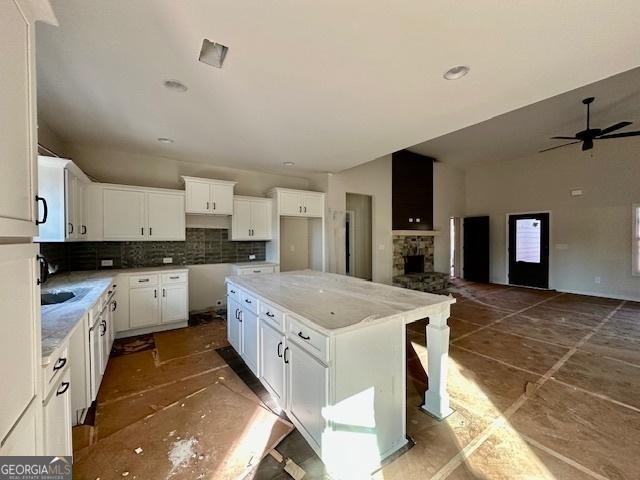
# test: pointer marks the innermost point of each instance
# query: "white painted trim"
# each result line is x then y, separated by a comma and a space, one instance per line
602, 295
506, 247
635, 247
351, 234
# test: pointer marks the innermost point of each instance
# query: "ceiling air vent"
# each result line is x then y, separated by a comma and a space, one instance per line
213, 53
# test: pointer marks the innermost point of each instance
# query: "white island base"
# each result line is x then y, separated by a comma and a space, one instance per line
331, 351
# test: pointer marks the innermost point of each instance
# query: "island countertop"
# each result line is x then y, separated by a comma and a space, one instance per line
336, 302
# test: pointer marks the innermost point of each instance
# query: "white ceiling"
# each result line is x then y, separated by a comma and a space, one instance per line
327, 85
529, 129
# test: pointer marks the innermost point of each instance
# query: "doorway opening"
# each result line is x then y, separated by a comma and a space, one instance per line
528, 255
454, 247
358, 236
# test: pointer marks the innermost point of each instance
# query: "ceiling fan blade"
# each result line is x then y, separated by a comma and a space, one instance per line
615, 127
620, 135
587, 144
564, 138
558, 146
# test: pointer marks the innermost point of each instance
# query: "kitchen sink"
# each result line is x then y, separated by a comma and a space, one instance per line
54, 298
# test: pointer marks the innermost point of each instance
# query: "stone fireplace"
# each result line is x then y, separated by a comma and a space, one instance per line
413, 264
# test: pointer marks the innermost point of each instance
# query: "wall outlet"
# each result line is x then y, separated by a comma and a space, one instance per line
167, 260
106, 263
577, 192
292, 248
596, 279
252, 257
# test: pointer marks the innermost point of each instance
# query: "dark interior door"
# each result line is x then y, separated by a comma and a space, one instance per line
476, 249
529, 250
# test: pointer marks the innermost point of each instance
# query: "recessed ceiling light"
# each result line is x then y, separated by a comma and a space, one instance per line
175, 85
456, 72
165, 140
288, 164
213, 53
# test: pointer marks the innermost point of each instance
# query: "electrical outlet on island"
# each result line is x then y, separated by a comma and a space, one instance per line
252, 257
167, 260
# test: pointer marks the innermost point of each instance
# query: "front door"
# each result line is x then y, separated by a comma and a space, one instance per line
529, 250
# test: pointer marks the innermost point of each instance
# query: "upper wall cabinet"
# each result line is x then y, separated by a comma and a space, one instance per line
135, 213
251, 218
62, 208
205, 196
17, 124
299, 203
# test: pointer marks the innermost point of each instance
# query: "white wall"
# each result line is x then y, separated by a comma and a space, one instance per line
448, 201
590, 234
360, 205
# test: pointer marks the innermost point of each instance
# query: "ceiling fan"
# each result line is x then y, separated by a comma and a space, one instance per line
588, 135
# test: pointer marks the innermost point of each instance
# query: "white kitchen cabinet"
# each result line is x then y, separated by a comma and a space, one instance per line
205, 196
271, 349
25, 436
174, 303
19, 331
17, 123
144, 307
307, 383
251, 268
234, 325
299, 203
124, 214
250, 339
252, 218
166, 218
62, 188
57, 418
136, 213
95, 359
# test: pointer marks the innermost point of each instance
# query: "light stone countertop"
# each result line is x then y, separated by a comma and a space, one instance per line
59, 321
337, 302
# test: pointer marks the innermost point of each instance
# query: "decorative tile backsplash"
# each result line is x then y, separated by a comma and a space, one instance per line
202, 245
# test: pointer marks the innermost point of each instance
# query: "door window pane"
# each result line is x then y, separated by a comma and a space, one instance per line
528, 234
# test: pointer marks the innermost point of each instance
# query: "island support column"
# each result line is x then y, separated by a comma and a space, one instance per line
436, 398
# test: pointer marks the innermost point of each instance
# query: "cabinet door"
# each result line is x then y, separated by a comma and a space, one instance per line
271, 363
250, 340
19, 331
174, 303
81, 210
144, 309
124, 214
17, 125
24, 437
261, 220
290, 203
57, 420
105, 348
95, 359
234, 325
70, 210
222, 199
166, 217
313, 205
198, 197
307, 381
241, 221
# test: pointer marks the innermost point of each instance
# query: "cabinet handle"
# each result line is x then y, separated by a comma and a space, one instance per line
150, 230
84, 229
44, 269
305, 209
279, 347
237, 318
61, 362
143, 280
155, 293
115, 306
257, 271
232, 291
164, 292
214, 205
207, 206
70, 228
300, 209
249, 232
174, 278
302, 336
247, 300
45, 207
141, 230
269, 314
286, 360
103, 324
64, 386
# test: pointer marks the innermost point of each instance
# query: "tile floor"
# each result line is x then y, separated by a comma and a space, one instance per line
544, 385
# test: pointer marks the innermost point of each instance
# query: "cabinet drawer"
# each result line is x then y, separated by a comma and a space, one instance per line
272, 315
168, 278
141, 281
249, 302
233, 293
59, 362
312, 341
250, 270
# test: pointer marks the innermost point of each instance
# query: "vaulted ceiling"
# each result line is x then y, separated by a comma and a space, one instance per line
327, 85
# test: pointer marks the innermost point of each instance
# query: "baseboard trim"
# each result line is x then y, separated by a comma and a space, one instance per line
152, 329
602, 295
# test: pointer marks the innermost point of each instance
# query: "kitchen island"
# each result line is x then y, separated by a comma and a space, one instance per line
331, 351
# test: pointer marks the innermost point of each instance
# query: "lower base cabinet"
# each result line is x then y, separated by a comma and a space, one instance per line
234, 325
57, 419
144, 307
24, 438
271, 349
